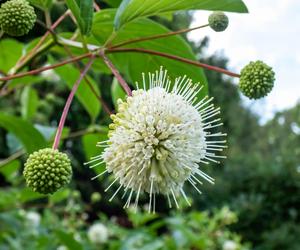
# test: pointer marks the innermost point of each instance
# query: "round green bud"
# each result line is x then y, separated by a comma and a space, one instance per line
95, 197
218, 21
17, 17
47, 170
257, 80
76, 194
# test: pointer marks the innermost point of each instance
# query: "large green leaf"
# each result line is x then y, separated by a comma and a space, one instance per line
30, 137
29, 102
117, 92
83, 12
10, 52
69, 74
10, 170
89, 142
25, 81
132, 64
132, 9
42, 4
68, 240
113, 3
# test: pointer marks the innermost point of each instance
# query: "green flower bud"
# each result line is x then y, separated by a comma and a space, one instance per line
47, 170
257, 80
95, 197
17, 17
218, 21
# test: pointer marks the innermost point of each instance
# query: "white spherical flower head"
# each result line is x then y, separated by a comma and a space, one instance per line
158, 138
98, 233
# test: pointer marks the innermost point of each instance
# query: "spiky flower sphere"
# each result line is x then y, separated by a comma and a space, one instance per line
218, 21
47, 170
257, 80
17, 17
158, 138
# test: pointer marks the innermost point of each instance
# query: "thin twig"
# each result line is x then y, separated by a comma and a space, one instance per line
32, 52
178, 58
147, 38
39, 70
116, 73
68, 103
96, 6
80, 133
105, 106
47, 28
48, 18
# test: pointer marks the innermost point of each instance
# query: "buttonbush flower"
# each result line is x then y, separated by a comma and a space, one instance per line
158, 138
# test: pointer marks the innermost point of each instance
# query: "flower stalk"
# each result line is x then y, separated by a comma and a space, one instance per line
116, 73
147, 38
177, 58
68, 104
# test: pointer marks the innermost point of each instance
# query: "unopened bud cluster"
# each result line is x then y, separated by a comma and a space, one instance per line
218, 21
17, 17
47, 170
257, 80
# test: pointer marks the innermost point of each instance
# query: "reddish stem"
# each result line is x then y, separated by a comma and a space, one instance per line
103, 103
111, 66
178, 58
147, 38
68, 104
116, 73
96, 6
39, 70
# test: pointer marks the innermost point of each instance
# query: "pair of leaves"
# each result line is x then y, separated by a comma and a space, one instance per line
83, 12
132, 9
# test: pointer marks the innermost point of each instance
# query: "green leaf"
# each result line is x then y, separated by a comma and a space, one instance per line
42, 4
132, 9
30, 137
89, 142
83, 12
69, 74
68, 240
26, 80
10, 52
113, 3
97, 64
26, 194
132, 64
29, 102
60, 195
117, 92
10, 170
